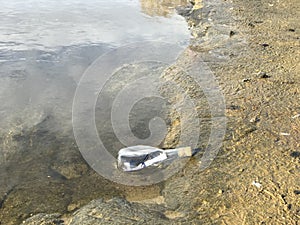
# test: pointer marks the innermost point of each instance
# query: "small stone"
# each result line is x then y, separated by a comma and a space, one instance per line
234, 107
251, 24
265, 45
173, 214
297, 192
295, 155
256, 184
220, 191
72, 207
291, 30
254, 120
263, 75
246, 80
231, 33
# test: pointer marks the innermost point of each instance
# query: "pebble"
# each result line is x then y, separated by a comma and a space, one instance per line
256, 184
265, 45
231, 33
297, 192
246, 80
73, 207
295, 116
251, 24
254, 120
234, 107
295, 155
284, 134
263, 75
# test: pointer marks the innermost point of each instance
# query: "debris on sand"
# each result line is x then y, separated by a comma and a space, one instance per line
295, 116
256, 184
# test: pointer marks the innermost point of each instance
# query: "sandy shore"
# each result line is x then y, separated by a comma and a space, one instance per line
258, 171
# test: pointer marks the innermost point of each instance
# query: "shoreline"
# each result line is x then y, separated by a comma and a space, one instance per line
254, 56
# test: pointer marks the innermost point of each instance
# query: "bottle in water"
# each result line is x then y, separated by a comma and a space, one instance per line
141, 156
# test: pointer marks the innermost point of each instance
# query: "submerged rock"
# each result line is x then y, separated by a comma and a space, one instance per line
114, 211
44, 219
117, 211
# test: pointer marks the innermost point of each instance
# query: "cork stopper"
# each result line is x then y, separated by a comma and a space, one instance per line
185, 152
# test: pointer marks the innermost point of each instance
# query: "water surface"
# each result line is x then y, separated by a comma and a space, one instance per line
45, 47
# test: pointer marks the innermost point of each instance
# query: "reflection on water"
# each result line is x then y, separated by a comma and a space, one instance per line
45, 24
45, 46
161, 7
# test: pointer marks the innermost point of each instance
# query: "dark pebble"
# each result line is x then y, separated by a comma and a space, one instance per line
291, 30
232, 33
234, 107
251, 24
246, 80
265, 45
295, 154
297, 192
263, 75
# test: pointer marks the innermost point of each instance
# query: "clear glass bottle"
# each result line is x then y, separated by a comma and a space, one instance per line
140, 156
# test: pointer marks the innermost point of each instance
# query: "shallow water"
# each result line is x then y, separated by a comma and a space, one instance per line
45, 47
